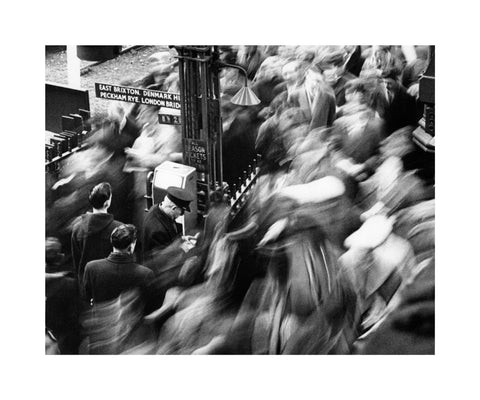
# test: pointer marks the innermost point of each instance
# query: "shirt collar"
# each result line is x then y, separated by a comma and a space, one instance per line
120, 257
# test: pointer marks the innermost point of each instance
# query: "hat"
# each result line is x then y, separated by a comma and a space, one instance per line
180, 197
318, 191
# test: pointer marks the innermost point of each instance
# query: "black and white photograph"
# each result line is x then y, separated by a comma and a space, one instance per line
239, 200
243, 199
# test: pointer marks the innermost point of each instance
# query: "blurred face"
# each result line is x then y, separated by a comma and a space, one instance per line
389, 83
290, 73
381, 59
353, 96
305, 54
116, 111
172, 209
331, 75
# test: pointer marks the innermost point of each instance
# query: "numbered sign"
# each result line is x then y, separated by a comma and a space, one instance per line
169, 119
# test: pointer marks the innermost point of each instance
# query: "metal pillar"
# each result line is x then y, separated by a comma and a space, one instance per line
201, 123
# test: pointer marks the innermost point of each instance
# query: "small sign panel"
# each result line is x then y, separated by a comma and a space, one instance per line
169, 119
197, 154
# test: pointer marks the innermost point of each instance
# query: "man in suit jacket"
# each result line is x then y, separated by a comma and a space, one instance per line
91, 231
315, 97
107, 278
160, 228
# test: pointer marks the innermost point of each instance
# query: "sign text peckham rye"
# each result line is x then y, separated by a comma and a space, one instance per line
137, 95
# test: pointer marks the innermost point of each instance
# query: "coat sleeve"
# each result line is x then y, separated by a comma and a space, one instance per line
87, 284
323, 110
149, 294
375, 135
155, 236
76, 251
160, 240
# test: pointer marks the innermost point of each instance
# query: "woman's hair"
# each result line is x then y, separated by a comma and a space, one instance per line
330, 59
359, 85
383, 60
370, 89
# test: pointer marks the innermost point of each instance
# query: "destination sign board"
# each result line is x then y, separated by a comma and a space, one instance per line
138, 95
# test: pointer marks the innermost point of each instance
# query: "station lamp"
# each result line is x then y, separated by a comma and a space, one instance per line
245, 96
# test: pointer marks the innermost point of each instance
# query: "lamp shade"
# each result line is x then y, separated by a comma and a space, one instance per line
245, 97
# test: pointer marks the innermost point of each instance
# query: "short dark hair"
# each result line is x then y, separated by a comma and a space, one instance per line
100, 194
123, 236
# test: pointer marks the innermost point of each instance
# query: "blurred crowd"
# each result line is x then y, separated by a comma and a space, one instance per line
333, 252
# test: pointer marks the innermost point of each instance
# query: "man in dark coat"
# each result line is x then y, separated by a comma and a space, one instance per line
91, 231
401, 110
238, 144
61, 300
106, 279
355, 60
160, 228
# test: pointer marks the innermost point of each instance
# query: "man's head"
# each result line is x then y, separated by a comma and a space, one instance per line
291, 72
357, 90
176, 202
365, 90
305, 54
124, 238
331, 65
101, 196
